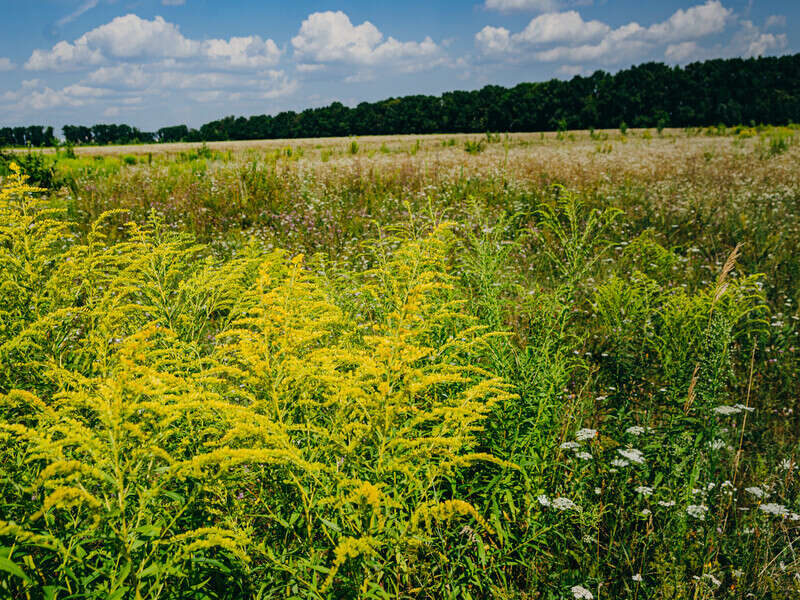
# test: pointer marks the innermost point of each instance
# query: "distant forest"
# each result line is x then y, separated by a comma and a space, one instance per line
731, 91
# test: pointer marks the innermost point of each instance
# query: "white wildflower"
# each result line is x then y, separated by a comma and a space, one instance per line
666, 502
698, 511
717, 444
646, 512
635, 430
756, 491
584, 455
543, 500
637, 577
727, 410
644, 490
633, 455
565, 504
618, 462
570, 445
774, 509
712, 579
597, 491
585, 434
787, 464
581, 593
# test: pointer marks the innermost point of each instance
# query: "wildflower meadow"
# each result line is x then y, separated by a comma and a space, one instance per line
514, 366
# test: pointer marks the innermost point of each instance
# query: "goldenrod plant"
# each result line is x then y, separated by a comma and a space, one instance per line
170, 421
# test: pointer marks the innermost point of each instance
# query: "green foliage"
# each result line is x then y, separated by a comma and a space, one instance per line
474, 146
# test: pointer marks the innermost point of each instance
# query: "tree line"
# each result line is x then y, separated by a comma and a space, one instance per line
732, 91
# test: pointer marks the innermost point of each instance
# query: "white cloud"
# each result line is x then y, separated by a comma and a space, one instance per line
6, 64
697, 21
532, 5
493, 40
48, 98
132, 38
163, 78
63, 56
748, 41
173, 2
309, 67
83, 91
86, 6
250, 51
775, 22
619, 45
683, 52
561, 27
565, 37
124, 75
331, 37
569, 71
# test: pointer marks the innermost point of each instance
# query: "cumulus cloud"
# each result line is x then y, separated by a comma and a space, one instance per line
748, 41
561, 27
130, 37
566, 37
683, 52
250, 51
6, 64
695, 22
493, 40
63, 56
329, 36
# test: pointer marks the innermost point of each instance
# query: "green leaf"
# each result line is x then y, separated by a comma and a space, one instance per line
7, 565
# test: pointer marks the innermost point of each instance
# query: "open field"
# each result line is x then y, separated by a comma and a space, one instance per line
524, 366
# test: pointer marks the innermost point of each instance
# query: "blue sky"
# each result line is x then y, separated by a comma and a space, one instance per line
152, 63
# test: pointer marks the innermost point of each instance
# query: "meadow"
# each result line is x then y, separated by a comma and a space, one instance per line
525, 366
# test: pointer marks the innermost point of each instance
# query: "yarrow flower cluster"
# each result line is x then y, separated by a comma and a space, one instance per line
635, 430
725, 410
698, 511
633, 455
585, 434
581, 593
773, 508
559, 503
565, 504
